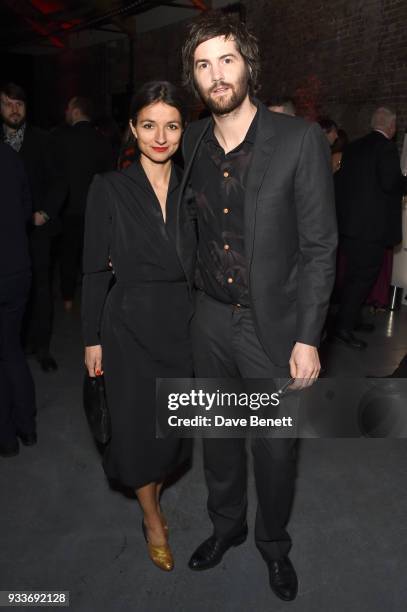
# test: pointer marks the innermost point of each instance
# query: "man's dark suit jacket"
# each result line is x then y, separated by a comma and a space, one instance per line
15, 213
290, 229
42, 170
369, 189
84, 152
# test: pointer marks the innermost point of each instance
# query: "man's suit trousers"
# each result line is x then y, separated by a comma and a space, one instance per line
363, 261
17, 403
40, 308
71, 254
225, 345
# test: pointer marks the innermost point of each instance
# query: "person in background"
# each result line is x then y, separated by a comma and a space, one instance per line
338, 148
330, 130
84, 152
17, 403
34, 147
109, 128
282, 104
369, 190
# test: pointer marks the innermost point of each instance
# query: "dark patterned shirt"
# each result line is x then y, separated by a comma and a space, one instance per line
218, 181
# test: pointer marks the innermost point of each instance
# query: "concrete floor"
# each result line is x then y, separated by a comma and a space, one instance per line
63, 528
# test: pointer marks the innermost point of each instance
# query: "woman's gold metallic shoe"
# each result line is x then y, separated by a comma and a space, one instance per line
161, 556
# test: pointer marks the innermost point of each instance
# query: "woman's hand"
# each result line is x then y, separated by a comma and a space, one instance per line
93, 360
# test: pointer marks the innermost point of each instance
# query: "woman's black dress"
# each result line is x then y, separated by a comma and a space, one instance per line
142, 321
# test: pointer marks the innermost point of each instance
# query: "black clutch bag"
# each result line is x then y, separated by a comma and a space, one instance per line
97, 413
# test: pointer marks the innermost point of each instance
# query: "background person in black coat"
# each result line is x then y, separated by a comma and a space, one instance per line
369, 189
34, 147
85, 152
17, 406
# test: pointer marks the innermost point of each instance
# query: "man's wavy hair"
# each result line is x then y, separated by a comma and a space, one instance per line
217, 24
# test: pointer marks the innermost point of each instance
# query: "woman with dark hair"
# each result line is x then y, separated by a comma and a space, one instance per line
137, 329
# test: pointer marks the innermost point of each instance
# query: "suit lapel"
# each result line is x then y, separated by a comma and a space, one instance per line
263, 149
187, 171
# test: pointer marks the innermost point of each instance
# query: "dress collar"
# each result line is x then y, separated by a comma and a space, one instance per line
137, 172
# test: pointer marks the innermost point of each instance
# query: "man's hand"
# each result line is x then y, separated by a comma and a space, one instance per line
304, 365
38, 219
93, 360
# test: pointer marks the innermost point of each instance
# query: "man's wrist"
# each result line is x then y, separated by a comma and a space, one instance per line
306, 344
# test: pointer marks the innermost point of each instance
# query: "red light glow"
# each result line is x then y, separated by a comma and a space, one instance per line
47, 7
67, 25
308, 97
40, 29
200, 4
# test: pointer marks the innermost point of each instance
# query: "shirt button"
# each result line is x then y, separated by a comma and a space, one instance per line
226, 247
226, 174
230, 280
226, 210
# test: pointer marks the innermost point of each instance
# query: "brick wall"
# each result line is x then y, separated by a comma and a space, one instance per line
59, 77
339, 57
163, 49
158, 54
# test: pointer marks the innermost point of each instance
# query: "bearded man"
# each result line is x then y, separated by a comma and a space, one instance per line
266, 231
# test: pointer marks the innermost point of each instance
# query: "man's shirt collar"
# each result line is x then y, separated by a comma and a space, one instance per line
381, 132
250, 134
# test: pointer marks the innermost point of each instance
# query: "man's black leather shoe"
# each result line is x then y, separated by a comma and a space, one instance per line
47, 362
211, 551
9, 451
347, 337
365, 327
28, 439
283, 579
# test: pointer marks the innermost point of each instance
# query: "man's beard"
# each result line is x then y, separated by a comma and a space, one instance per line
14, 124
223, 105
